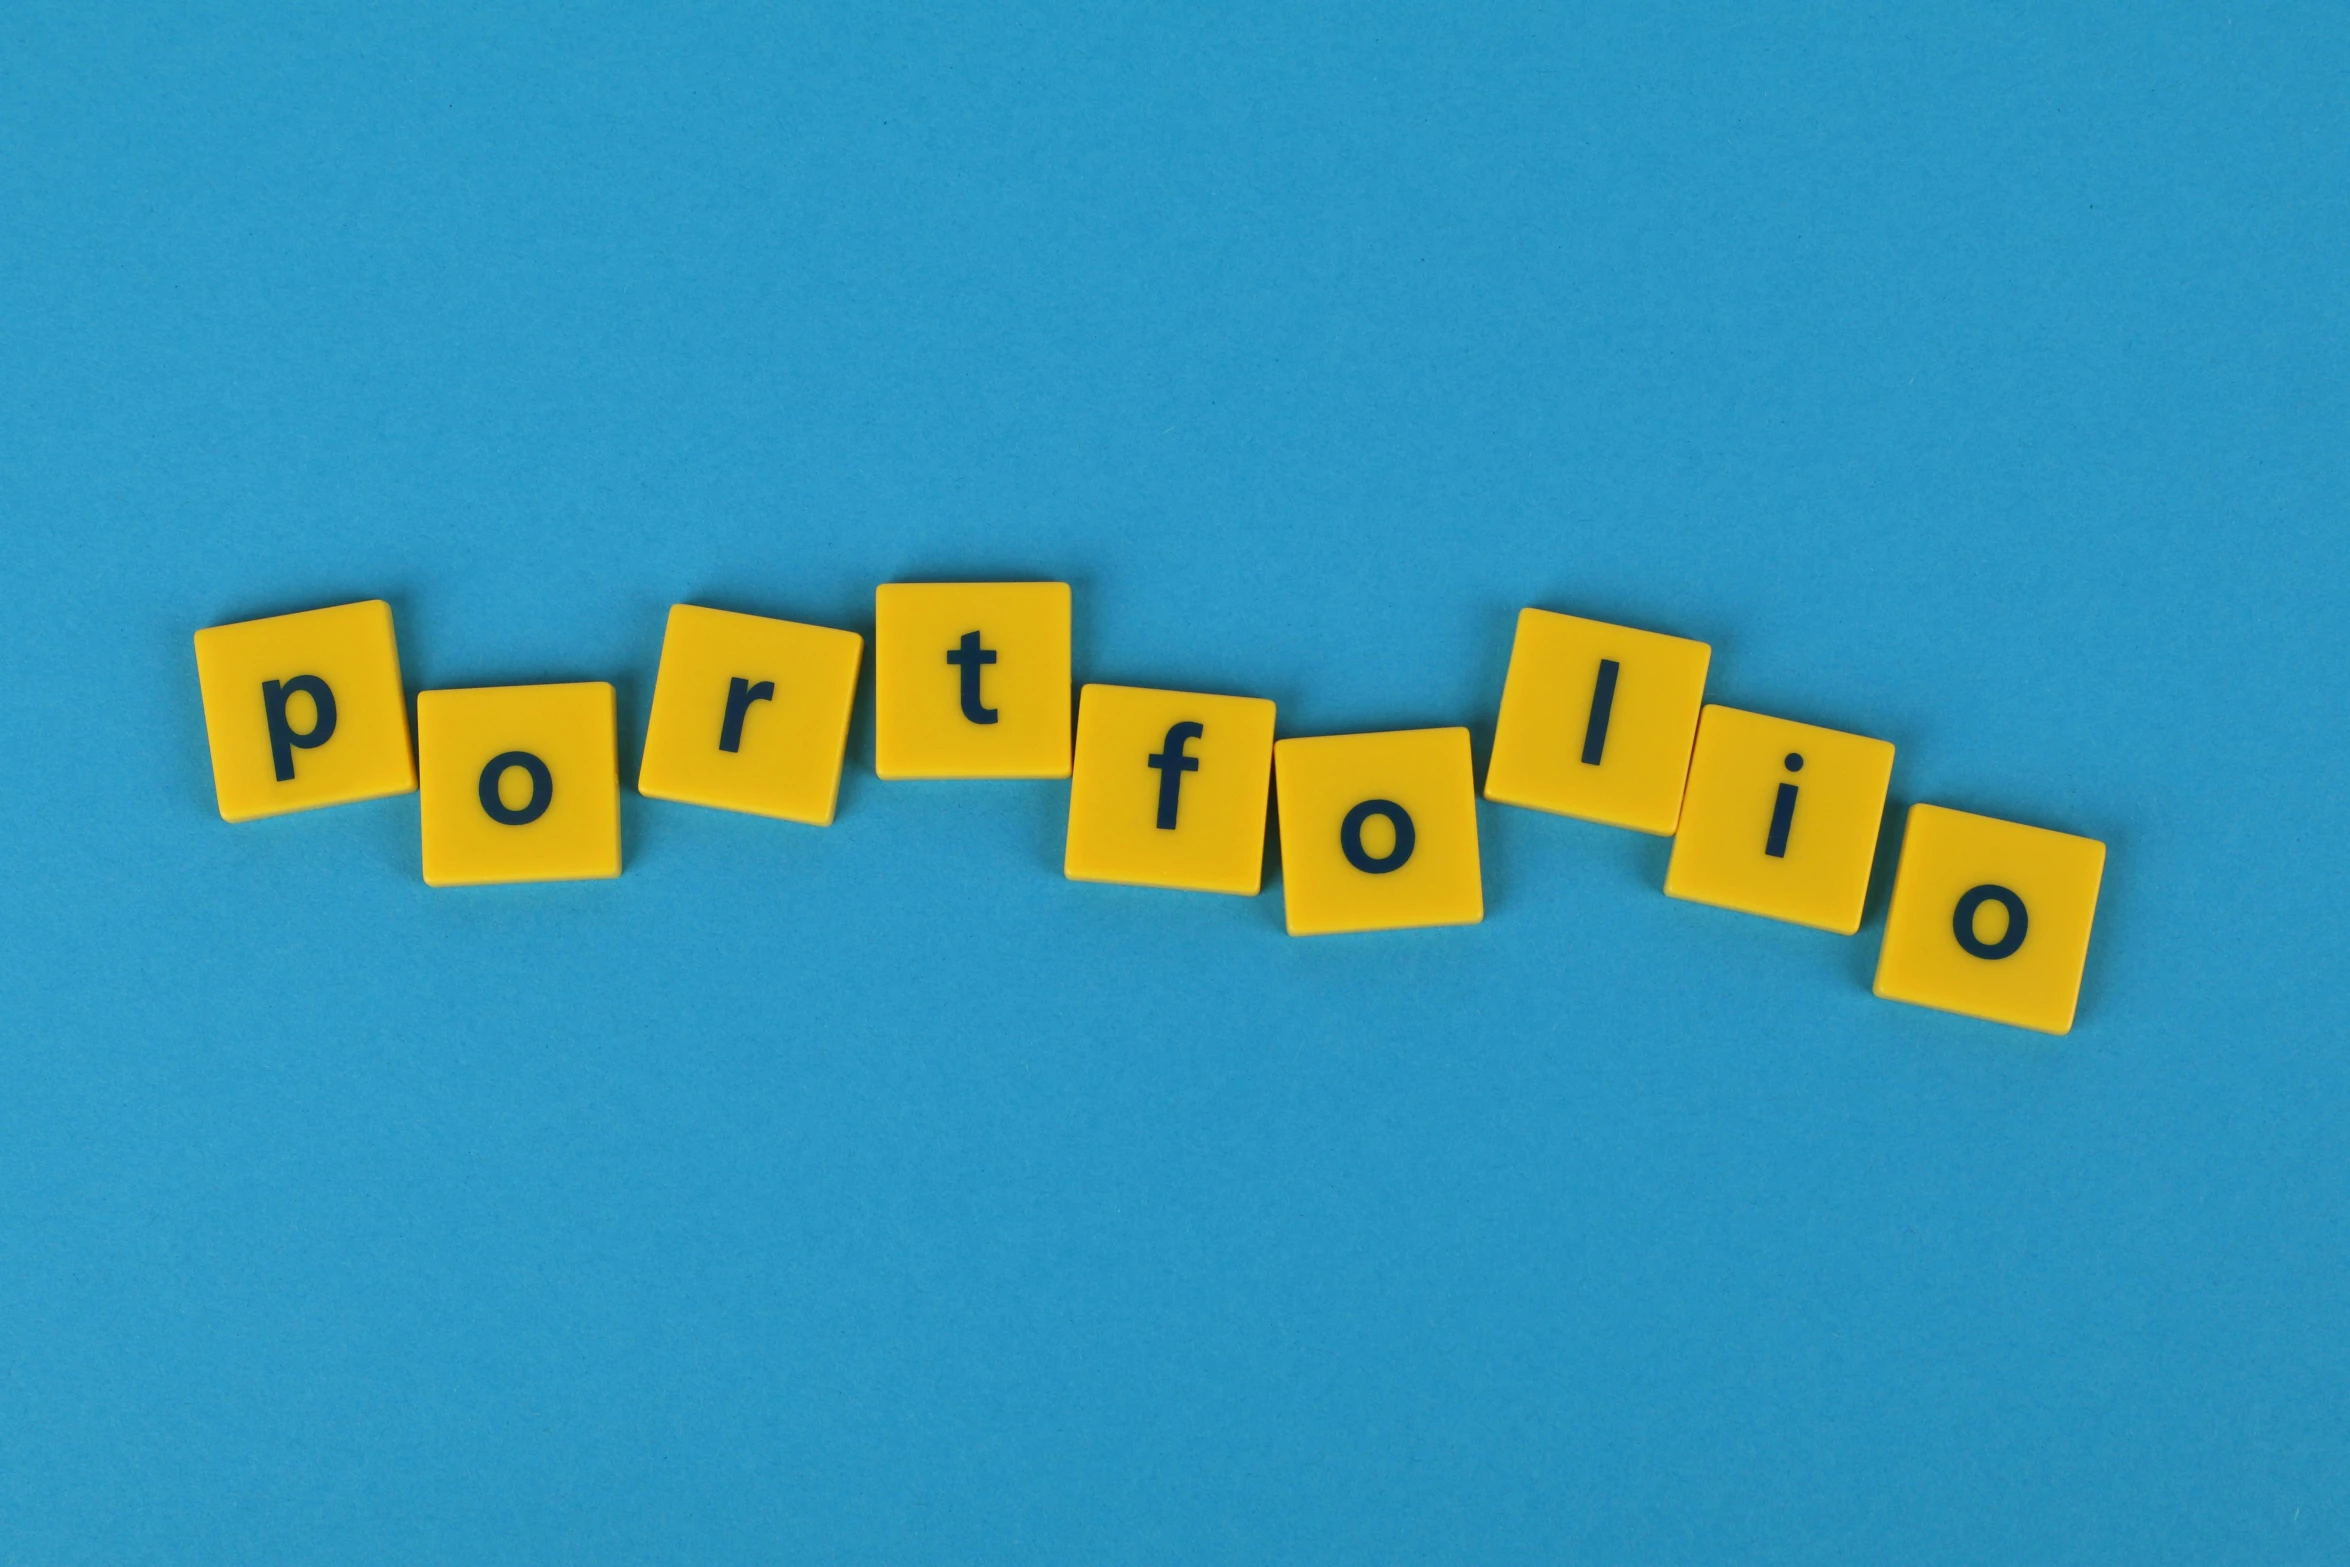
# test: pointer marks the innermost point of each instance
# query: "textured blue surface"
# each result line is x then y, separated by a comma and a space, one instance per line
872, 1194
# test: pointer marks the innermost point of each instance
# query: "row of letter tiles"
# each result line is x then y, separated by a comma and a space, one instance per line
1169, 788
1773, 817
1611, 725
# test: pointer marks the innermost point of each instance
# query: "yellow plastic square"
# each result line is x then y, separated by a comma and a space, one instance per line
1378, 831
305, 710
750, 714
521, 783
1990, 918
1597, 721
1781, 819
1170, 789
971, 680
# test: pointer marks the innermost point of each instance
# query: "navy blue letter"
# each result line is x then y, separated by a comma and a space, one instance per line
1350, 837
1783, 810
740, 694
542, 788
1962, 921
971, 656
1172, 765
282, 739
1603, 702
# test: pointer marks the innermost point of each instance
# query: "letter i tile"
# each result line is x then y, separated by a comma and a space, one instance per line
1781, 819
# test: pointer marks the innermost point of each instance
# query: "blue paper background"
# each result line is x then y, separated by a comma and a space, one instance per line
872, 1194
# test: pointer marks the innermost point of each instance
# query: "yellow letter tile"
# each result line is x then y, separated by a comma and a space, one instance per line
1170, 789
1781, 819
1597, 721
1990, 918
521, 783
750, 714
971, 680
1378, 831
304, 710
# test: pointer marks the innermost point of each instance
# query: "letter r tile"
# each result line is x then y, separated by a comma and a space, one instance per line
750, 714
305, 710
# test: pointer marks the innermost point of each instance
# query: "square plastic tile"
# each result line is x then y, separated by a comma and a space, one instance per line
971, 680
520, 783
1780, 819
1990, 918
1378, 831
305, 710
750, 714
1170, 789
1597, 721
